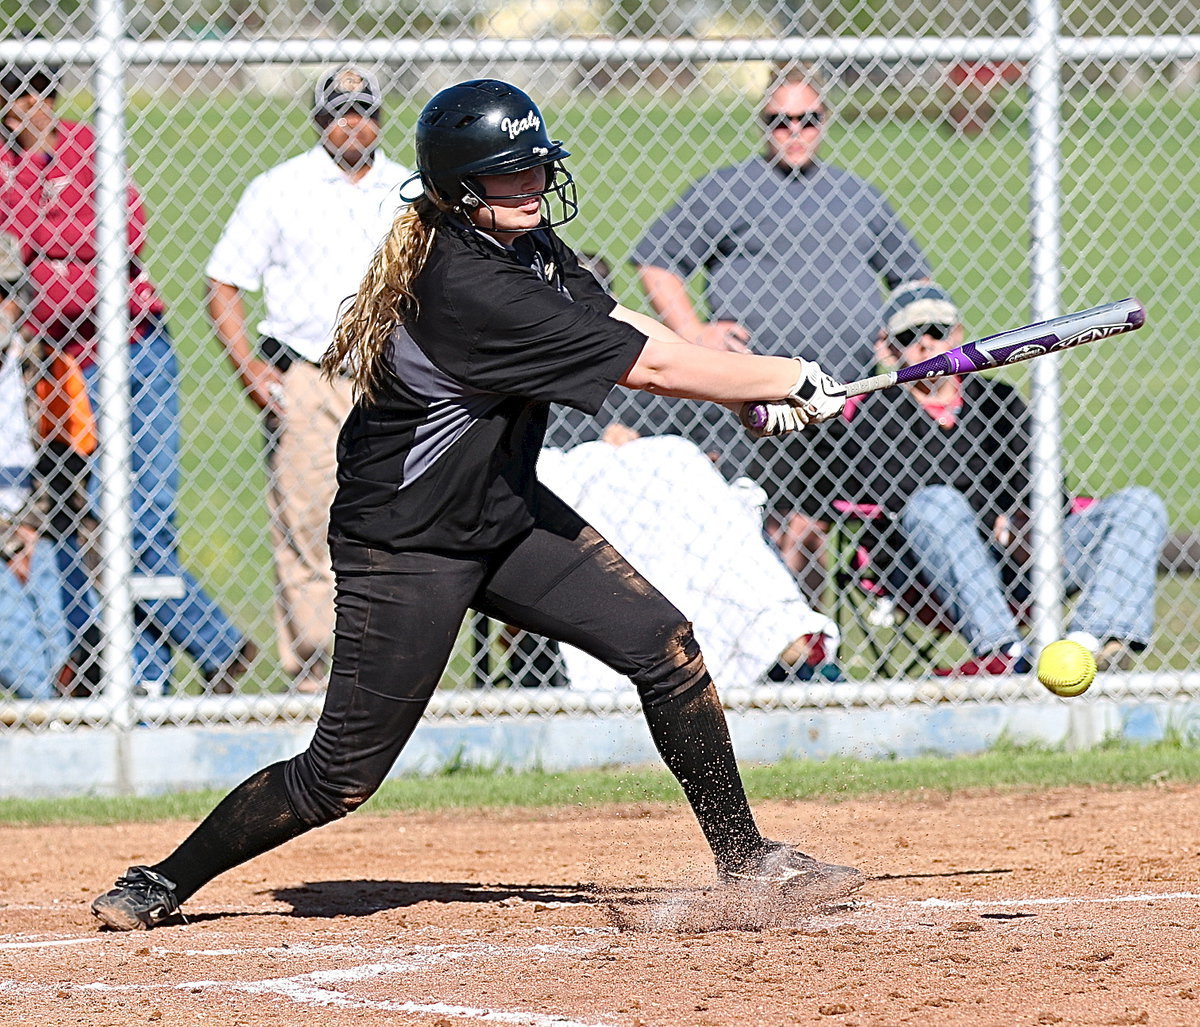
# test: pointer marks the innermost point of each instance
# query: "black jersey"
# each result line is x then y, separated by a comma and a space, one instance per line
444, 457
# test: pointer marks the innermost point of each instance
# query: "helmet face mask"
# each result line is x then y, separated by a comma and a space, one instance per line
488, 127
559, 199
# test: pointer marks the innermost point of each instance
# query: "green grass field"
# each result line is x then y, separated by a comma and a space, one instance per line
1006, 768
1131, 173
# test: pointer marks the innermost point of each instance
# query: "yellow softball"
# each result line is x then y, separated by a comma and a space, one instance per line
1066, 668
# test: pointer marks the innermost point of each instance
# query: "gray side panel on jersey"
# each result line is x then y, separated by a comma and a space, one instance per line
453, 406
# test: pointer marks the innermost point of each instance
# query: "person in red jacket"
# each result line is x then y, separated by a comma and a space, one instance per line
48, 203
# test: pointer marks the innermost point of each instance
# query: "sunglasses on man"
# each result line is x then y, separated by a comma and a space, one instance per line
777, 121
907, 337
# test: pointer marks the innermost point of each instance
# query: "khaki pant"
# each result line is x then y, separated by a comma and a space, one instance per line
302, 474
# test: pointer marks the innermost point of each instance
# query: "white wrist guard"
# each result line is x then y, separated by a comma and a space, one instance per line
818, 395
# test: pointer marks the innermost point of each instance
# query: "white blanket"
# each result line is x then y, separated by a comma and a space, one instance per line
666, 508
16, 447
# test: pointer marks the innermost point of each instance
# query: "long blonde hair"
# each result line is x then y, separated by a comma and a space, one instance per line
384, 299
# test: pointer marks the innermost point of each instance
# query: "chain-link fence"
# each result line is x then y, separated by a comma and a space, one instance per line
1029, 162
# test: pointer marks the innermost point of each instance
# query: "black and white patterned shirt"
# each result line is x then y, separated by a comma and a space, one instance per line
445, 457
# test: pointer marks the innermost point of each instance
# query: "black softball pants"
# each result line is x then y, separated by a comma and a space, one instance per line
398, 617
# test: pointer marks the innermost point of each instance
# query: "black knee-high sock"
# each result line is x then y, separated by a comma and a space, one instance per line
252, 819
692, 737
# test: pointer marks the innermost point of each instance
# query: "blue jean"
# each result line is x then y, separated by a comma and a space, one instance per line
194, 622
34, 641
1110, 553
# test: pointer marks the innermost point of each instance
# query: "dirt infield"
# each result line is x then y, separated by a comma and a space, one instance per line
1071, 907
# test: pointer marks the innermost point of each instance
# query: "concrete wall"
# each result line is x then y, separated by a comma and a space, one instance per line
151, 761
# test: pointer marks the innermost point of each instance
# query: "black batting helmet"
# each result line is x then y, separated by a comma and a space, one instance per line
487, 127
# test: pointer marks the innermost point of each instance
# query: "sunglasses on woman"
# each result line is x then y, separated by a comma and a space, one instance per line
907, 337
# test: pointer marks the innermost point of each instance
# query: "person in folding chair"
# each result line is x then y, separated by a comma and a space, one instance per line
946, 465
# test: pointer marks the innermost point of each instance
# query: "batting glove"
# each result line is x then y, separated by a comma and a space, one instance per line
816, 393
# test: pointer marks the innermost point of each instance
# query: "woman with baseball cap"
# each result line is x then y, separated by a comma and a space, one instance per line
473, 318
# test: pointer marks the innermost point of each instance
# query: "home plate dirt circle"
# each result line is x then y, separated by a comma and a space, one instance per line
1070, 906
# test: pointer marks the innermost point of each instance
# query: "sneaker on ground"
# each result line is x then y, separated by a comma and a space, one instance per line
1010, 661
141, 899
787, 868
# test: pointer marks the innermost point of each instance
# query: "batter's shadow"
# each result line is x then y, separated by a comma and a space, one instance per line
364, 898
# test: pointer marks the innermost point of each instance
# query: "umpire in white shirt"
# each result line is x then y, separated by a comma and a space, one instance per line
303, 233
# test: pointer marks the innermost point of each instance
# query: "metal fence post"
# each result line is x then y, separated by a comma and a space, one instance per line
1045, 230
116, 600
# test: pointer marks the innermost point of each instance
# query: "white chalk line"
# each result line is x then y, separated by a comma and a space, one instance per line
47, 943
888, 915
316, 988
1060, 900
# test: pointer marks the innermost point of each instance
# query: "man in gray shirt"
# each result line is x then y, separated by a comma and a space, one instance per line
794, 253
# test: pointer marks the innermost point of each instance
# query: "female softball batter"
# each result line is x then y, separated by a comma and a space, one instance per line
473, 318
